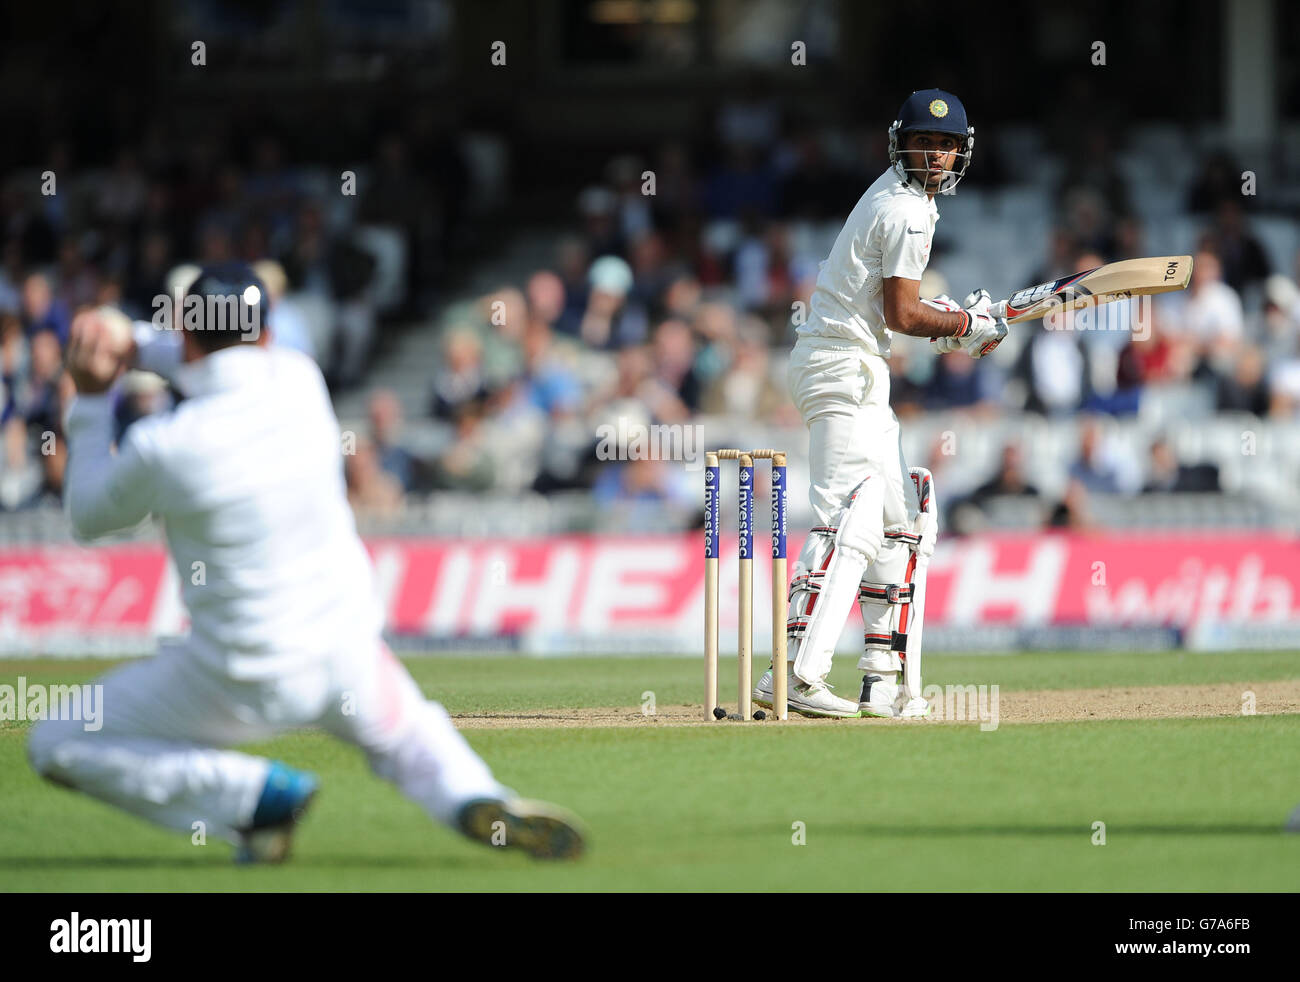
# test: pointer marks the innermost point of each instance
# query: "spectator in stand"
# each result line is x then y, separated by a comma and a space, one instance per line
1245, 389
1153, 357
1219, 181
78, 281
1277, 326
372, 491
544, 294
969, 513
42, 311
549, 380
1095, 469
1167, 475
572, 262
747, 388
905, 395
1009, 481
1243, 259
142, 394
959, 383
639, 481
1284, 390
459, 379
36, 399
466, 465
1071, 514
11, 279
672, 354
598, 208
651, 273
1210, 316
288, 325
385, 436
609, 321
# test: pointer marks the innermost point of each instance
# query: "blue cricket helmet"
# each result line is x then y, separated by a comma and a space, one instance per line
932, 111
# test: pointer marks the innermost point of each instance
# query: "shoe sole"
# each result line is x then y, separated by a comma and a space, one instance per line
541, 830
875, 713
273, 844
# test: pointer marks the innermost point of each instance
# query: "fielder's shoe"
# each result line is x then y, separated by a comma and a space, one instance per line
913, 708
878, 696
286, 796
542, 830
818, 700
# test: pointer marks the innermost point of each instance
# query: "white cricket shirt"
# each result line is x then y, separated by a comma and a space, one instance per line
888, 233
247, 477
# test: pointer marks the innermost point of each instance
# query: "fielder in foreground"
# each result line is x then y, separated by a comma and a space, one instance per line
876, 519
247, 475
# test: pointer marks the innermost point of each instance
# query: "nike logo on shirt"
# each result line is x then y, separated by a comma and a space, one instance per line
915, 231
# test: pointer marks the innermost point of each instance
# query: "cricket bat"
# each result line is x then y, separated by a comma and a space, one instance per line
1114, 281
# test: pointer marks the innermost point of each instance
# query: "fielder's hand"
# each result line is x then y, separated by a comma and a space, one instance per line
97, 350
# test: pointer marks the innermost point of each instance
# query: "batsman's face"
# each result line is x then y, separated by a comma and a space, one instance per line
933, 153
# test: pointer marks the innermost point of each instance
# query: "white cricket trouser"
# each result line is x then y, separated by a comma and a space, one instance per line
166, 720
842, 392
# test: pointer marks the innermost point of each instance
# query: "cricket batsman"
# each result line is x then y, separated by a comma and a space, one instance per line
246, 475
876, 519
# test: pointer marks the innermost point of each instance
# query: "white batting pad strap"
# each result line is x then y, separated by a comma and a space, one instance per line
880, 660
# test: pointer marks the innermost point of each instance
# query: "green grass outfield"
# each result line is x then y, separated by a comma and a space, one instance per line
1189, 804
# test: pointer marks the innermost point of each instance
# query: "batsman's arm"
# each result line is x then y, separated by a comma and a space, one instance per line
905, 313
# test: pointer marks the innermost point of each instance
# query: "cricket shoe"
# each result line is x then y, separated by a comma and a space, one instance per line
818, 700
913, 708
878, 696
542, 830
763, 694
286, 796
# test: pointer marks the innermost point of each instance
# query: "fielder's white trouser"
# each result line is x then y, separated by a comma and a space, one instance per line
165, 719
860, 489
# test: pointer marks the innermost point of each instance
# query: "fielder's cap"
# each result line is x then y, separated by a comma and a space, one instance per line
934, 111
239, 289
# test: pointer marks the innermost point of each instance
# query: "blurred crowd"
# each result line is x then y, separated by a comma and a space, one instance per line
341, 263
673, 295
676, 293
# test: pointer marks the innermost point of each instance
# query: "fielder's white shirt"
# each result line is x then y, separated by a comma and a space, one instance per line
247, 477
888, 233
